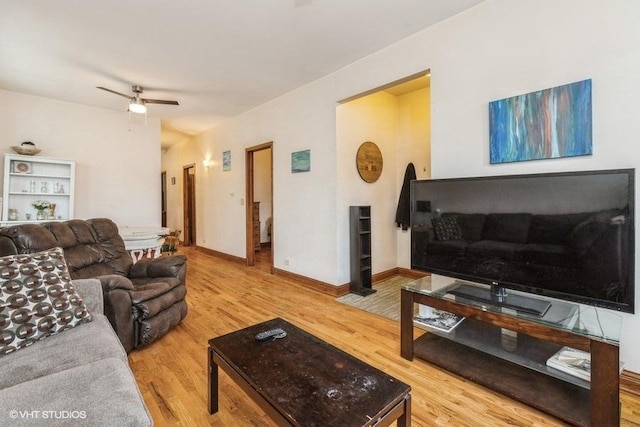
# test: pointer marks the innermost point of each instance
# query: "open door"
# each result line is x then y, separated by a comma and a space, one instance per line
259, 188
189, 204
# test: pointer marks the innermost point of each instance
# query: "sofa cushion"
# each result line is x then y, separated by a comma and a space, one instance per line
554, 229
446, 228
100, 393
540, 254
37, 299
494, 249
507, 227
95, 340
587, 232
471, 225
447, 247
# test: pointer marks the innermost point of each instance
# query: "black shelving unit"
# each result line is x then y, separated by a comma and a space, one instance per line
360, 226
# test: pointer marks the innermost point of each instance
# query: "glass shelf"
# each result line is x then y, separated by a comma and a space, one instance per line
587, 321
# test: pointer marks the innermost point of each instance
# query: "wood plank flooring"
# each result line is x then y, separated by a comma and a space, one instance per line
224, 296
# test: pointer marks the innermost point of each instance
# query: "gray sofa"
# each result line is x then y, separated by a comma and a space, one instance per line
77, 377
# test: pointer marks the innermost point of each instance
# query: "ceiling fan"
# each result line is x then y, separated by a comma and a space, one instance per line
136, 103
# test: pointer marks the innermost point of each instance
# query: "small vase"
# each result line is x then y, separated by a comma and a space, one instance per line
40, 215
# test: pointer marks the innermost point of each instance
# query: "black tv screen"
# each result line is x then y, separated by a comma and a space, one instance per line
563, 235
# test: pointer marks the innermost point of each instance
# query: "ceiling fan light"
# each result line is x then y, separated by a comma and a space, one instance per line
137, 106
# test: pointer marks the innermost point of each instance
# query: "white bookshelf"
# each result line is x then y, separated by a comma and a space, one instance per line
31, 178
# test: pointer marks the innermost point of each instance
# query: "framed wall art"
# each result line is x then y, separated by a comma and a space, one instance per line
369, 162
226, 160
301, 161
546, 124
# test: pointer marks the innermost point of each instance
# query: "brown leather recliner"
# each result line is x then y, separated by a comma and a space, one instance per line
142, 300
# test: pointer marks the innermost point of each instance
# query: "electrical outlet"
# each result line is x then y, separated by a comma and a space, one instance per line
287, 261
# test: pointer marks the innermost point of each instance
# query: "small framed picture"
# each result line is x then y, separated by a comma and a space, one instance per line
226, 160
301, 161
22, 167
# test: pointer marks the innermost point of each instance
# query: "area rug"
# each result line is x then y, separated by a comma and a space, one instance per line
385, 302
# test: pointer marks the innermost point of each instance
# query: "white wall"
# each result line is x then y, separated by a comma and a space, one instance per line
498, 49
414, 146
526, 46
117, 170
399, 125
371, 118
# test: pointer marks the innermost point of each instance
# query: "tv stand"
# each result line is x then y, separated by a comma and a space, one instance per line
506, 351
499, 296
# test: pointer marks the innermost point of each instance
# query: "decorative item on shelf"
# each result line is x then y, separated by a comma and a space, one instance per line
22, 167
32, 186
44, 187
41, 206
28, 216
13, 214
27, 148
52, 211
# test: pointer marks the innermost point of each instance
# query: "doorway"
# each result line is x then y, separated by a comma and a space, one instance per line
163, 192
259, 206
189, 204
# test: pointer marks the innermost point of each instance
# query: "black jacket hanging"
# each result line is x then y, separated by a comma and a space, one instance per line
403, 214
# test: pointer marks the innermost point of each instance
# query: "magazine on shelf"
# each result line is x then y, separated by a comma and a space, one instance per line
438, 319
574, 362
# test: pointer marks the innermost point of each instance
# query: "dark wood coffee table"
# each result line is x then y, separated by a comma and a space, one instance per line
301, 380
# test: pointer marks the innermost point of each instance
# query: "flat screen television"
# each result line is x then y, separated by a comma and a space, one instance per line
567, 235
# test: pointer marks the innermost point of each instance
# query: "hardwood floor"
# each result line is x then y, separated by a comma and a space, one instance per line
224, 296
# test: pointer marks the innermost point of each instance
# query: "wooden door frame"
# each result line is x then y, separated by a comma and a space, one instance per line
249, 197
185, 208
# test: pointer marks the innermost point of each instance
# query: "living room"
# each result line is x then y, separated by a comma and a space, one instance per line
494, 50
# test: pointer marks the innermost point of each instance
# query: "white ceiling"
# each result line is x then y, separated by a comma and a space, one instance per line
218, 58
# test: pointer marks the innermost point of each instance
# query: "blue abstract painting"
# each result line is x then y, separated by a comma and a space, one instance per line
546, 124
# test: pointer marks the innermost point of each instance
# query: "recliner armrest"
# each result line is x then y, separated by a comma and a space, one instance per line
170, 266
110, 282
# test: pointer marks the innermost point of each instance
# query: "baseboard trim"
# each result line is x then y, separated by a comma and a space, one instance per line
384, 275
412, 274
318, 285
630, 382
222, 255
313, 284
398, 271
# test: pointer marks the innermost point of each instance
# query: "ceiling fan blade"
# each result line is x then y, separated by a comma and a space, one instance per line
159, 101
113, 91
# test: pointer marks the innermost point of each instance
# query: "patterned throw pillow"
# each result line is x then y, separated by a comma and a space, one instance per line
447, 228
37, 299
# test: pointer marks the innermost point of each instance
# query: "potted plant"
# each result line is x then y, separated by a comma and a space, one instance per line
41, 206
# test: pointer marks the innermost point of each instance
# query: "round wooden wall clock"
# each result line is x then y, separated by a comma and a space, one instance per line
369, 162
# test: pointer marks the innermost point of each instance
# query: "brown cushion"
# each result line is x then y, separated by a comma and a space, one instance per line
512, 227
446, 228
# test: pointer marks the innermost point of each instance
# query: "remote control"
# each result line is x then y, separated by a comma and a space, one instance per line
273, 333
